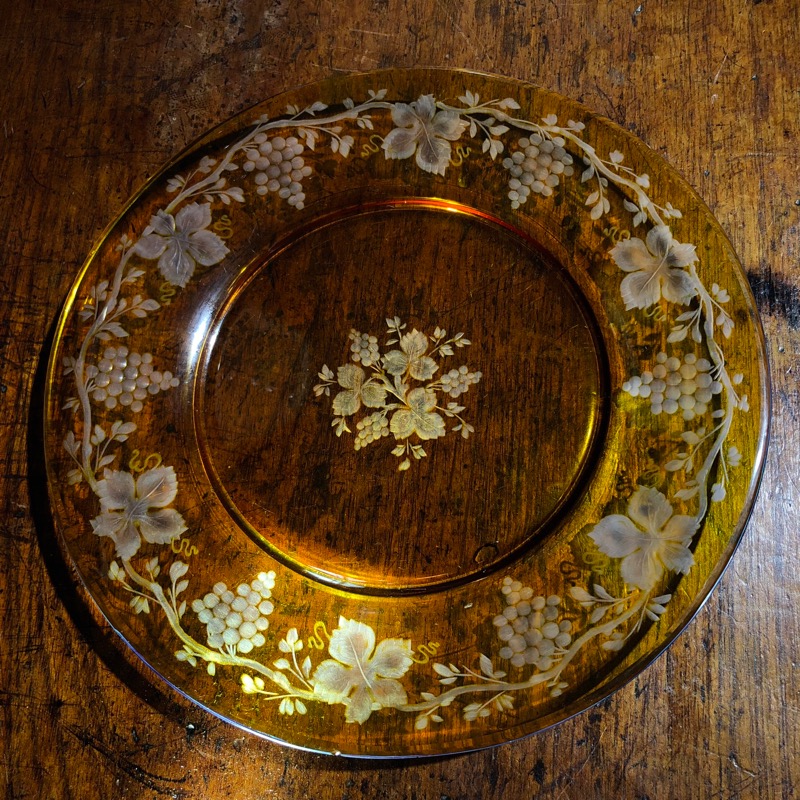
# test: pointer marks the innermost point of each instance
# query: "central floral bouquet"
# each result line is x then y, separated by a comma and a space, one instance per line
402, 386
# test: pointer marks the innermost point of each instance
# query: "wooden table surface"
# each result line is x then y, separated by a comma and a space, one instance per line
96, 96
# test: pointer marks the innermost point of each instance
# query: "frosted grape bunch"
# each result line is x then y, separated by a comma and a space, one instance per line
122, 378
278, 166
674, 386
536, 167
529, 627
236, 621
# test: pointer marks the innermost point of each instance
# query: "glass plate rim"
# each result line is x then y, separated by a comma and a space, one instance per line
756, 472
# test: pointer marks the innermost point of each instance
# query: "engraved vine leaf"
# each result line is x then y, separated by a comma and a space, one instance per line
181, 242
648, 540
656, 269
426, 131
132, 510
361, 675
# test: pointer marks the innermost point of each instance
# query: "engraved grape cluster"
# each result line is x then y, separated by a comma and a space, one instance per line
673, 385
529, 627
278, 166
370, 429
457, 381
237, 620
126, 379
364, 348
536, 167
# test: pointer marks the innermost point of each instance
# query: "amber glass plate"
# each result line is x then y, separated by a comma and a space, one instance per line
407, 413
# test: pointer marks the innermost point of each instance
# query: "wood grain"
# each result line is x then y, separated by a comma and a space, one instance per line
97, 96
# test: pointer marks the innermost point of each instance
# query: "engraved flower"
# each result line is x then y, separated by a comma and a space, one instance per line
418, 417
426, 131
649, 540
356, 391
656, 269
361, 675
390, 388
411, 357
133, 510
181, 242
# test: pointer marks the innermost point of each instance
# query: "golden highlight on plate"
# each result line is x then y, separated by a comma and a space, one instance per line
406, 414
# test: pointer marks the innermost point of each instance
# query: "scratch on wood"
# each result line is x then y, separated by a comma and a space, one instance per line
458, 28
372, 33
716, 77
573, 773
732, 759
150, 780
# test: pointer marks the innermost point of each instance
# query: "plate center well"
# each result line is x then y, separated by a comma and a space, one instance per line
340, 508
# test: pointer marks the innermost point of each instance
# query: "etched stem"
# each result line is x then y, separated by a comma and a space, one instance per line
201, 651
586, 149
310, 122
538, 677
732, 404
80, 364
